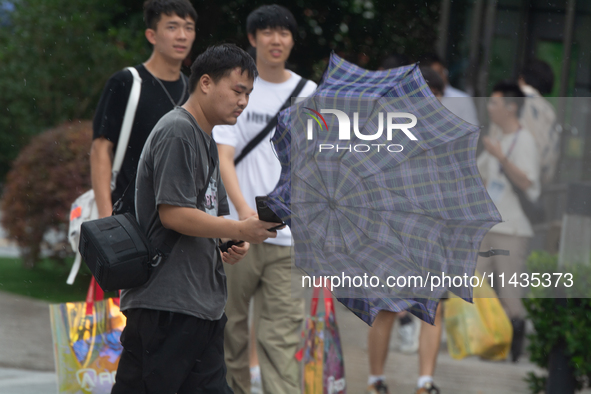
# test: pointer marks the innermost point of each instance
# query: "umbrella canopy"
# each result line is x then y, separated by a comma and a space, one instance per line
403, 203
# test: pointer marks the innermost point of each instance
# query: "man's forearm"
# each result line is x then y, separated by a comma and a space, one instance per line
230, 179
196, 223
100, 173
232, 186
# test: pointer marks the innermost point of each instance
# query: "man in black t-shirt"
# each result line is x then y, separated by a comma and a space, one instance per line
171, 31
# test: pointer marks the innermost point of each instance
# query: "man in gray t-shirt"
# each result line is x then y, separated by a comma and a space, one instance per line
173, 168
173, 341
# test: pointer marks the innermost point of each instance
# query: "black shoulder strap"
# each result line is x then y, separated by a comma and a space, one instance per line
172, 237
272, 123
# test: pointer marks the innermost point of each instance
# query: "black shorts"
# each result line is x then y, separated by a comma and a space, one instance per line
167, 352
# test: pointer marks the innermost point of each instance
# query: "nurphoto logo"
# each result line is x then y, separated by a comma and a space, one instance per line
345, 130
88, 379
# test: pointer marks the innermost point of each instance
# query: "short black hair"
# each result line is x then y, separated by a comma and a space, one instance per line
511, 94
433, 80
394, 61
431, 58
153, 10
538, 74
218, 61
271, 16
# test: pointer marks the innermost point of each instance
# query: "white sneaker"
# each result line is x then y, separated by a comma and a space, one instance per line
408, 337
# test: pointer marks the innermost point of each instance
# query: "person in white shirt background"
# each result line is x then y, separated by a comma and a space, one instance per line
509, 158
266, 275
538, 115
457, 101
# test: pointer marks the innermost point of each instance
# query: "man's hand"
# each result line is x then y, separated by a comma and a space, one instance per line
235, 253
256, 231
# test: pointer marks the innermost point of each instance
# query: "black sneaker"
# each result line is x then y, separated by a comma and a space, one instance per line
378, 387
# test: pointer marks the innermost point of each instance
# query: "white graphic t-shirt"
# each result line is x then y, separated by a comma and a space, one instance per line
259, 172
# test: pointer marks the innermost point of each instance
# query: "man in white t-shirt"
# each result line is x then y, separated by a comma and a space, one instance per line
266, 273
512, 157
538, 115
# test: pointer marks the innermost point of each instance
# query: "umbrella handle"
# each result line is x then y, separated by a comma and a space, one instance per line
328, 301
494, 252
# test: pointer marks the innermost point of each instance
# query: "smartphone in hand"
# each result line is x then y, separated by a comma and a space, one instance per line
227, 245
266, 214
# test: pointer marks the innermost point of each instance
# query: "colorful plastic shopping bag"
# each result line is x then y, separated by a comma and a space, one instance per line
324, 369
86, 343
479, 329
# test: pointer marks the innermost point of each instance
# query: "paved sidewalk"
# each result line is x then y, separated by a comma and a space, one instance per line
18, 381
27, 364
25, 333
467, 376
26, 351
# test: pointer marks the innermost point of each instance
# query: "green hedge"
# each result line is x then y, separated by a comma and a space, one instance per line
559, 321
45, 179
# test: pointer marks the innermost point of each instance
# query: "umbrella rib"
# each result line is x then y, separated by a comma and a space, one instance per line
453, 221
354, 225
317, 176
312, 192
356, 213
312, 187
393, 190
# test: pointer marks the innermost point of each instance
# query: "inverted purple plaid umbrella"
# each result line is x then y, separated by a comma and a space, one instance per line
414, 212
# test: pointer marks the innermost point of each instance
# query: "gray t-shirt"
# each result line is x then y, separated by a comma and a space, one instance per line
172, 170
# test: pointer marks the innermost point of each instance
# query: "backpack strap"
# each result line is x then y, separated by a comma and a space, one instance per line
272, 123
127, 124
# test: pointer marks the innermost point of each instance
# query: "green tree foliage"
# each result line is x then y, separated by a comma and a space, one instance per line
47, 176
361, 31
55, 56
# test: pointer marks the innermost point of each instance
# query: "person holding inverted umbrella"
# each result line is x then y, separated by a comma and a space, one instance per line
417, 211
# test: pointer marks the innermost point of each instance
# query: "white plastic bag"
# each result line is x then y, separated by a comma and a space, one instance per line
83, 209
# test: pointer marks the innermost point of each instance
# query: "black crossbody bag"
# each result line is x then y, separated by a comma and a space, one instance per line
534, 211
117, 251
272, 123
